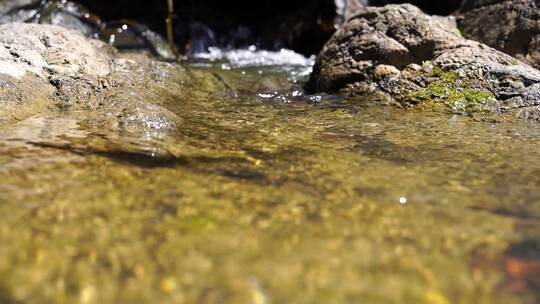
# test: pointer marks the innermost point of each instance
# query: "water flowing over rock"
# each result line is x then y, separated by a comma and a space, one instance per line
509, 26
413, 60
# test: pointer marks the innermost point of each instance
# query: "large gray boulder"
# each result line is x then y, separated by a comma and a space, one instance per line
47, 68
511, 26
39, 61
46, 50
412, 60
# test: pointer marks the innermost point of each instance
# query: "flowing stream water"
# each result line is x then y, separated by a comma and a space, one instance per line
262, 194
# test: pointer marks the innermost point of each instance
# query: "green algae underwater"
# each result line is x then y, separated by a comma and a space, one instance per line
261, 194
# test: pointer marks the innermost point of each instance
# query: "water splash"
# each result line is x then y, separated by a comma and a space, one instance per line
252, 57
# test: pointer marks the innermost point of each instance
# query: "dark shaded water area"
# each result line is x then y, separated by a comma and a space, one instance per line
261, 194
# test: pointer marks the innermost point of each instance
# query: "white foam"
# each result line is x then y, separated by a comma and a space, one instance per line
251, 57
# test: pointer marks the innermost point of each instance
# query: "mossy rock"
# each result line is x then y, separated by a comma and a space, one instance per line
446, 90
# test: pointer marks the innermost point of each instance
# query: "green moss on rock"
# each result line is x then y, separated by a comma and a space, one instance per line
446, 90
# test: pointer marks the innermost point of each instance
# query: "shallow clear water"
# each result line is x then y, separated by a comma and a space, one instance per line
264, 195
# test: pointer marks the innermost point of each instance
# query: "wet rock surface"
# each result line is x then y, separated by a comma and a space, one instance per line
47, 50
510, 26
40, 61
412, 60
50, 68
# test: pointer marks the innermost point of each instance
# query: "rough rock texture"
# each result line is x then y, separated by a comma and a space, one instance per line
400, 53
42, 61
46, 67
511, 26
46, 50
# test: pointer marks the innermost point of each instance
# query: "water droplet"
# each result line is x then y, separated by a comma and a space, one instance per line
315, 98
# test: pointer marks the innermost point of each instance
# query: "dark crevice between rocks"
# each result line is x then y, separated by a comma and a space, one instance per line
517, 43
509, 26
472, 4
420, 53
436, 7
312, 85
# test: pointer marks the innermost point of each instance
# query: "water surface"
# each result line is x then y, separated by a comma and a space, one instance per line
261, 194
